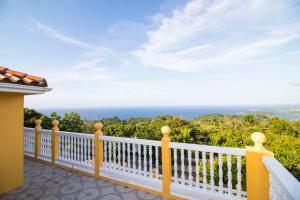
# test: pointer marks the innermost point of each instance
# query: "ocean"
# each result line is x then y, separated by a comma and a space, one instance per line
186, 112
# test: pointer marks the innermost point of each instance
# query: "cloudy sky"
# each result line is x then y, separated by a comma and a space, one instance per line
155, 53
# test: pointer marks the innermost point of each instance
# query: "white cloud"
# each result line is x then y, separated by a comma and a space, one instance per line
215, 33
295, 84
90, 67
60, 36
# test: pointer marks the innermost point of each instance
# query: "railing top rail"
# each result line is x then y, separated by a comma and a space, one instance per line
131, 140
207, 148
27, 128
46, 130
289, 182
82, 135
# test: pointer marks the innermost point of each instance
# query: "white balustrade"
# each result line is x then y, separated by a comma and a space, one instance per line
283, 185
198, 164
196, 169
76, 150
46, 144
136, 158
29, 141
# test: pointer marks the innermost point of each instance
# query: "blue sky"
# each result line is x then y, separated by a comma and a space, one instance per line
155, 53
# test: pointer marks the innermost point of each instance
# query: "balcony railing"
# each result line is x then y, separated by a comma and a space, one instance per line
174, 170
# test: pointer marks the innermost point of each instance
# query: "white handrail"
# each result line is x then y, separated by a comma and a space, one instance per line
82, 135
283, 185
207, 148
131, 140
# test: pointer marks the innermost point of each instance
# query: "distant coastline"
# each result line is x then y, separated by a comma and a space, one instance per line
186, 112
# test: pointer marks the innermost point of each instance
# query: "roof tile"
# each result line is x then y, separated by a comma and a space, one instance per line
16, 77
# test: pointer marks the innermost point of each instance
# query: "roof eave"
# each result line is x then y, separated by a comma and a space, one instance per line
25, 89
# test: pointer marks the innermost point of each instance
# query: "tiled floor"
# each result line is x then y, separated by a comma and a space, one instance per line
43, 182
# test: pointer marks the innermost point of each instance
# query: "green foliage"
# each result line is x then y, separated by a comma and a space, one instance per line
30, 115
71, 122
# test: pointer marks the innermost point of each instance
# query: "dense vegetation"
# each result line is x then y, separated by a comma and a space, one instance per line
219, 130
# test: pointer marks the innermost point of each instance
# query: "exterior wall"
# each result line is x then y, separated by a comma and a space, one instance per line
11, 141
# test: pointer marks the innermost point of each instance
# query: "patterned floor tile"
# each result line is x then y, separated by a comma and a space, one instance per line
43, 182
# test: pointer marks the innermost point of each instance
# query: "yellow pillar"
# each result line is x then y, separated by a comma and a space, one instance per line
98, 148
55, 130
166, 160
257, 174
37, 143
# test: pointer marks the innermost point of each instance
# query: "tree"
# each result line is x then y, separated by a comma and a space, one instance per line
71, 122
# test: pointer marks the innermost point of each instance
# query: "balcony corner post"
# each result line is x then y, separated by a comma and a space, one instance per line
257, 174
166, 161
37, 143
98, 148
55, 146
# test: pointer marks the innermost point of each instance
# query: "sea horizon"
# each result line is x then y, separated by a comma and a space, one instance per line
291, 112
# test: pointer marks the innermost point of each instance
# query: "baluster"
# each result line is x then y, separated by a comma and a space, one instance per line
119, 155
105, 153
197, 168
84, 150
150, 161
182, 166
123, 157
49, 144
211, 167
140, 159
62, 146
66, 147
81, 150
76, 149
114, 153
229, 174
204, 170
72, 148
89, 151
128, 157
59, 146
156, 162
109, 154
239, 176
190, 167
67, 144
43, 144
175, 165
46, 144
133, 158
220, 172
145, 160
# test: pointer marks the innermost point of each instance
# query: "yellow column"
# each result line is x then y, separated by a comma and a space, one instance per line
257, 173
166, 160
55, 130
98, 148
38, 129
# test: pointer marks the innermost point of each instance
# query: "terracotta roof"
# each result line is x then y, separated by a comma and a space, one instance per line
16, 77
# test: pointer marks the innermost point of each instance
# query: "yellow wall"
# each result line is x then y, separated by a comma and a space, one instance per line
11, 141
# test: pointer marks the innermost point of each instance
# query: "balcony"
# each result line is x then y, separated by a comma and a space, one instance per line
162, 168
